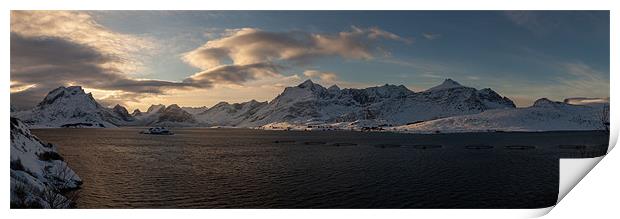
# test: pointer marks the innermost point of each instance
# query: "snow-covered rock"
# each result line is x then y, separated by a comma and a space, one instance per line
195, 110
447, 84
160, 115
310, 102
225, 114
544, 115
69, 107
136, 112
174, 113
122, 113
155, 109
38, 171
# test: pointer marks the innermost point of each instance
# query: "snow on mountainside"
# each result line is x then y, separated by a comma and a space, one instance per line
449, 106
447, 84
310, 102
225, 114
38, 172
194, 110
69, 107
160, 115
544, 115
155, 109
136, 112
122, 113
174, 114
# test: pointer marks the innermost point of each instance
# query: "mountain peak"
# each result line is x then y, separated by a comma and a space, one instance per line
122, 112
447, 84
333, 88
70, 92
136, 112
307, 83
75, 88
157, 107
544, 102
173, 106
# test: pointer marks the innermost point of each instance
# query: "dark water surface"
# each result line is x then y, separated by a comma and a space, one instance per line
240, 168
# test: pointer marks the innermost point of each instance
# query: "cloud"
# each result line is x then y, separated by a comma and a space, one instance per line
233, 74
250, 45
431, 36
40, 64
60, 48
582, 77
81, 28
326, 77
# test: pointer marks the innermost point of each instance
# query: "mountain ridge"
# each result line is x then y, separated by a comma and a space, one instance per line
306, 103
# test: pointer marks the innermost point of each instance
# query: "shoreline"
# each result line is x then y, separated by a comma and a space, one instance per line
339, 130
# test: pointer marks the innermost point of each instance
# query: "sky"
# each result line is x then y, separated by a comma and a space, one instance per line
200, 58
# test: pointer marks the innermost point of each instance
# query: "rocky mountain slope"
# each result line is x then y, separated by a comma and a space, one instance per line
544, 115
71, 107
448, 106
39, 175
310, 103
160, 115
225, 114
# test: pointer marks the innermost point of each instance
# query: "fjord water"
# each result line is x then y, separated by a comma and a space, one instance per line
242, 168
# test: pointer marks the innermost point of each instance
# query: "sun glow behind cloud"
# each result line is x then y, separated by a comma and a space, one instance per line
220, 63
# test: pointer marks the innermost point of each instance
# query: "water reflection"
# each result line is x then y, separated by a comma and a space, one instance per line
238, 168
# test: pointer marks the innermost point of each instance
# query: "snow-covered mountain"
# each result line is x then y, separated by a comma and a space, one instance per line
174, 114
544, 115
450, 106
155, 108
70, 107
160, 115
310, 103
122, 113
38, 172
194, 110
225, 114
136, 112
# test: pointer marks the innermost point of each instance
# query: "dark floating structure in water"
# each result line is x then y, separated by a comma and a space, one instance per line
157, 131
344, 144
283, 141
478, 147
520, 147
424, 146
315, 143
387, 146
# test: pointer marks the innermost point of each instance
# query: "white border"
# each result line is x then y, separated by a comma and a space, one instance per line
309, 5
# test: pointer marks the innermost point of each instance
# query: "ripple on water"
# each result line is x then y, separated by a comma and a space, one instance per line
238, 168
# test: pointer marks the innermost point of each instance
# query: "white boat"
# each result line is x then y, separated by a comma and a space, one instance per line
157, 131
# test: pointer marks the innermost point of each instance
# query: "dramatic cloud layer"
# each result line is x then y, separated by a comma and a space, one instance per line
60, 48
51, 49
233, 74
250, 46
246, 54
81, 28
42, 64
